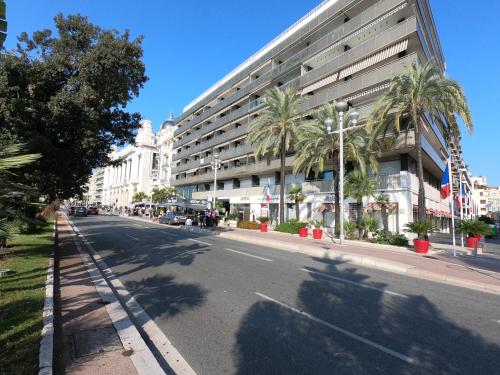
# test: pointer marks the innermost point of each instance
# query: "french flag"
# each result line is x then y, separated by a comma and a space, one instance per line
445, 184
457, 200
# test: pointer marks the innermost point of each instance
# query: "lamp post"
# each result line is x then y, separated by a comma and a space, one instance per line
215, 163
341, 107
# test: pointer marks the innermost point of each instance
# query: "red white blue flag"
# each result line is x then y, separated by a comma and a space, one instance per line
445, 184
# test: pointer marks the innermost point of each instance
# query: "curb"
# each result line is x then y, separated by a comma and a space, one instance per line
361, 260
46, 354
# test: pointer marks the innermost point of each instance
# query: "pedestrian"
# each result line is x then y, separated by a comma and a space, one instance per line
208, 219
201, 219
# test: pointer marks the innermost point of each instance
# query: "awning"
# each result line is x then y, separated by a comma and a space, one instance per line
391, 207
326, 207
325, 81
374, 59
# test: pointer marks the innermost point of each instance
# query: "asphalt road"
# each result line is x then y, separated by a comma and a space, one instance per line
234, 308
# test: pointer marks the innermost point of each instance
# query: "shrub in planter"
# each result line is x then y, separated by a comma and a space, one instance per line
350, 229
473, 229
248, 225
369, 223
422, 229
232, 216
394, 239
291, 226
317, 231
263, 219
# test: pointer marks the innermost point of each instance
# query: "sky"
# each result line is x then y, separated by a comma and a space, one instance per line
190, 45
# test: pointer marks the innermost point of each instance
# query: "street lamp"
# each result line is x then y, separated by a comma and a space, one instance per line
215, 163
341, 107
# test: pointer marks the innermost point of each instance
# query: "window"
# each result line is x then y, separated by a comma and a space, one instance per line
481, 194
483, 201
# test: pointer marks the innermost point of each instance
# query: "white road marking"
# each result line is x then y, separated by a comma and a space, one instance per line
353, 283
341, 330
132, 237
249, 255
496, 321
200, 242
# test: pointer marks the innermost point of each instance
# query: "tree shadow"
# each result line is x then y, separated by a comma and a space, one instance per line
161, 296
275, 340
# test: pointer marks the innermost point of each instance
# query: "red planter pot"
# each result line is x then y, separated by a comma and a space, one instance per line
303, 232
263, 227
421, 246
317, 234
478, 237
471, 242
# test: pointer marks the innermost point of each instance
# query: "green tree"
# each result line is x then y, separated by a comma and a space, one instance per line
275, 131
296, 196
316, 149
14, 197
383, 201
359, 185
64, 95
421, 90
139, 197
163, 194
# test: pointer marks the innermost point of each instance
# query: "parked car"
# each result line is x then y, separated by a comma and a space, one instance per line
71, 210
80, 211
172, 218
92, 211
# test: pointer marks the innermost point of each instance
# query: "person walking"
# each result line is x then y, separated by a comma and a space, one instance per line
208, 218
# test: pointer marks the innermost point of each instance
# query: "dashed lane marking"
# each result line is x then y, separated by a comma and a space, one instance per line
249, 255
328, 276
345, 332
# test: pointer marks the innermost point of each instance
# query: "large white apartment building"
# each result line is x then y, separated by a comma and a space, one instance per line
140, 167
347, 49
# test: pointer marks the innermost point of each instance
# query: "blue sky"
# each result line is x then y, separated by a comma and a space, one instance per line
189, 45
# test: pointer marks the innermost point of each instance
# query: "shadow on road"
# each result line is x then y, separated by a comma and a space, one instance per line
274, 340
161, 295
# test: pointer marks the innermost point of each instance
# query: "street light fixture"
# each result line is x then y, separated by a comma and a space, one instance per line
215, 163
341, 106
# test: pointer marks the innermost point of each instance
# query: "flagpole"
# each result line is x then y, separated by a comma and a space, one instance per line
461, 206
452, 206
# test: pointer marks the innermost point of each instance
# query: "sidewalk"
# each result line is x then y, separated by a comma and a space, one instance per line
86, 341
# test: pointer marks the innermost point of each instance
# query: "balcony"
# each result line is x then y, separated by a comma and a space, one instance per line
337, 35
216, 140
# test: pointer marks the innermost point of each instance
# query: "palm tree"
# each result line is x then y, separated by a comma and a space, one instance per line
139, 197
160, 195
383, 201
418, 91
275, 131
13, 196
316, 149
359, 185
296, 196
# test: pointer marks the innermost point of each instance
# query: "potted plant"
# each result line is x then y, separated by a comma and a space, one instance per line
422, 230
263, 220
232, 219
473, 229
303, 230
317, 231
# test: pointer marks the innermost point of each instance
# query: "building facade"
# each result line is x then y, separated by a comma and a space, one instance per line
341, 49
95, 188
486, 198
140, 167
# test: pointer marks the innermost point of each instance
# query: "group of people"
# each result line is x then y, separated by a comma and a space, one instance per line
209, 218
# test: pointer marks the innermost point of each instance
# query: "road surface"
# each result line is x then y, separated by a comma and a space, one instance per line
233, 308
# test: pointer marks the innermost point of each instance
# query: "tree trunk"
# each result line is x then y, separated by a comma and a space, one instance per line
297, 210
385, 219
420, 175
337, 196
282, 181
359, 218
